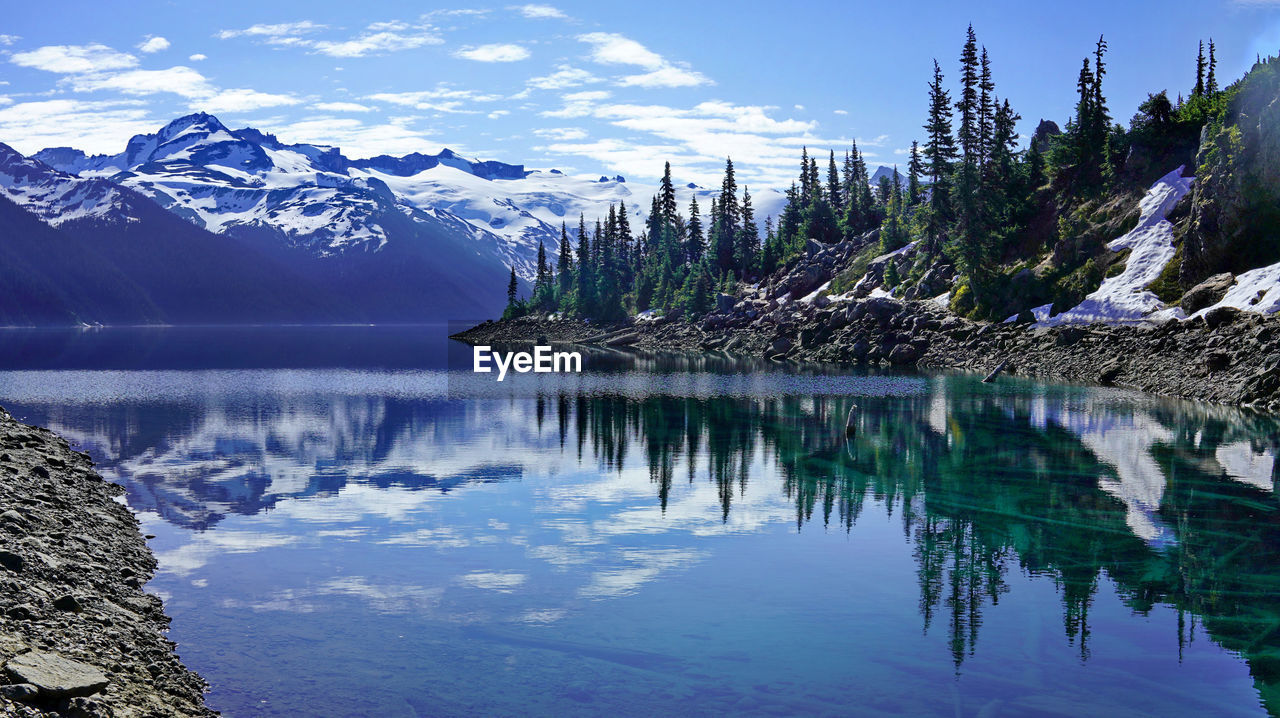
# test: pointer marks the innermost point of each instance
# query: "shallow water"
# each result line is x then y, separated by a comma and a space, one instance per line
346, 527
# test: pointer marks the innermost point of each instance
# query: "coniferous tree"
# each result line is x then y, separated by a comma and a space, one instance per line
834, 196
564, 263
512, 288
967, 107
914, 170
585, 277
1199, 88
543, 277
939, 152
748, 238
1101, 125
696, 240
806, 189
1211, 80
986, 108
893, 233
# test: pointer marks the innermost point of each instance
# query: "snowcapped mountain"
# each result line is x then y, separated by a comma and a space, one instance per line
57, 197
247, 184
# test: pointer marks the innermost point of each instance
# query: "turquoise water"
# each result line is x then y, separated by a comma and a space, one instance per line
368, 533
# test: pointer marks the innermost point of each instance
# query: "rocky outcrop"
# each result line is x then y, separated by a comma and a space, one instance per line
78, 635
1235, 212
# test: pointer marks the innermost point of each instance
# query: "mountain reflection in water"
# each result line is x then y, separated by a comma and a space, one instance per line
1174, 504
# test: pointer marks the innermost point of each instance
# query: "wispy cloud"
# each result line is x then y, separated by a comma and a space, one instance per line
494, 53
357, 139
342, 107
541, 12
242, 100
198, 57
378, 38
698, 137
608, 48
442, 99
284, 33
9, 39
153, 43
561, 134
73, 59
95, 127
178, 80
564, 77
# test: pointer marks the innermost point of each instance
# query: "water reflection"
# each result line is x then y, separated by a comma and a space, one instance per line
1173, 504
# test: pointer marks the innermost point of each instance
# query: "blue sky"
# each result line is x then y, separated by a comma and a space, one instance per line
585, 87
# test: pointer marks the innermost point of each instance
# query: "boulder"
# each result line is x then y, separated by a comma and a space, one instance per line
905, 354
1220, 316
1110, 371
725, 302
55, 676
1210, 291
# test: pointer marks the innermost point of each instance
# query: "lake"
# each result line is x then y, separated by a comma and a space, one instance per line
346, 526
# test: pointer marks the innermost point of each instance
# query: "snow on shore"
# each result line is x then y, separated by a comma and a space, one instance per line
1125, 298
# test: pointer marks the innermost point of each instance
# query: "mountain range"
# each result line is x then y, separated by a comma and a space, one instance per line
199, 223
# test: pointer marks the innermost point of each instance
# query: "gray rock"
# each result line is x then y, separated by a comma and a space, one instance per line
55, 676
1210, 291
1220, 316
68, 603
21, 692
11, 561
1110, 371
725, 302
21, 612
905, 354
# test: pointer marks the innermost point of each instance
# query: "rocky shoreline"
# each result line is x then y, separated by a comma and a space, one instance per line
78, 635
1227, 356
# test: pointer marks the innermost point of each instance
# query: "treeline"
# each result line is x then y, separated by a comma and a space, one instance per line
967, 198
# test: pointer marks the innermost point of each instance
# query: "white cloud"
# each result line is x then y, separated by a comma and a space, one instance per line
378, 42
5, 101
579, 104
610, 48
153, 43
494, 53
541, 12
74, 59
95, 127
242, 100
198, 57
699, 138
178, 80
9, 39
668, 76
561, 134
841, 112
342, 107
272, 33
564, 77
377, 38
358, 139
441, 99
498, 113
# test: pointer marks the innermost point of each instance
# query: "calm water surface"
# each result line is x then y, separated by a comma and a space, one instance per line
347, 528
